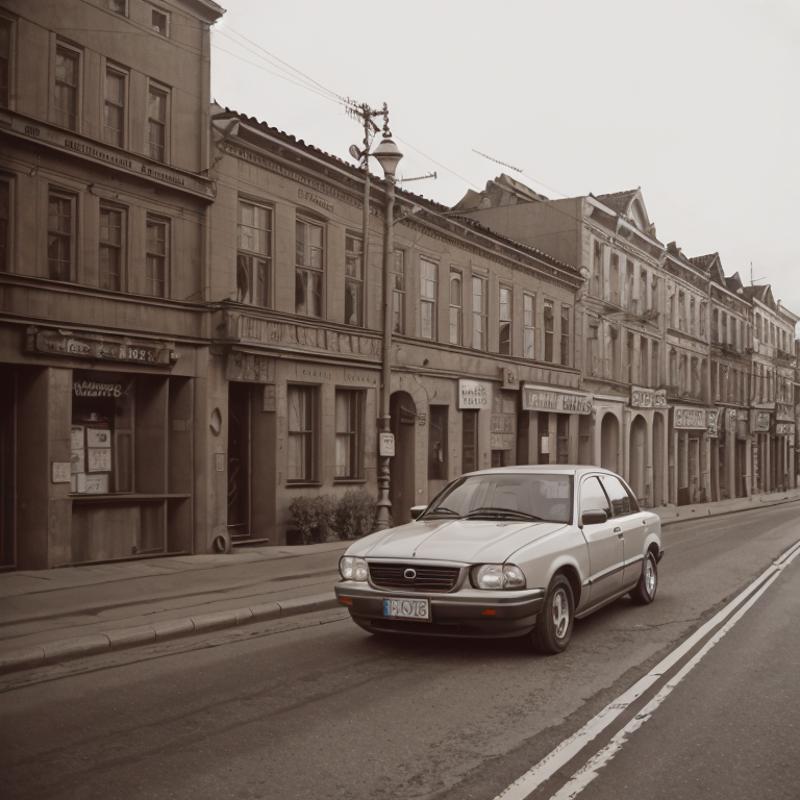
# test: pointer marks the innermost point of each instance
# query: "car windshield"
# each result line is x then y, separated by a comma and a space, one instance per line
510, 495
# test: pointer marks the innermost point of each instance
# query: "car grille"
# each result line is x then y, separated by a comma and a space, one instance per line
428, 578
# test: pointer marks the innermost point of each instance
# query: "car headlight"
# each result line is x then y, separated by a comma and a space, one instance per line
498, 576
353, 569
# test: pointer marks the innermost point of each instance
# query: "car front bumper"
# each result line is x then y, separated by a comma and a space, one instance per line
467, 612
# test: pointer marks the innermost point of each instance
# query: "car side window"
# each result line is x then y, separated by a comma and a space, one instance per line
618, 495
593, 497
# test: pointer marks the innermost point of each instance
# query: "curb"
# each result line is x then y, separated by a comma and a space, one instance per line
692, 514
123, 638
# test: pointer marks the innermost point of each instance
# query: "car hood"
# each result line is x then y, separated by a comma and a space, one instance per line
471, 541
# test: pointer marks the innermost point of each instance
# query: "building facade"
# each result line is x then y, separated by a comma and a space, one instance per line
104, 190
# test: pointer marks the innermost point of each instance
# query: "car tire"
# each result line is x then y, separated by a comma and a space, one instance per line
554, 625
645, 591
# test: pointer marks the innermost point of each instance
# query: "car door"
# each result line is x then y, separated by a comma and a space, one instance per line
606, 556
629, 524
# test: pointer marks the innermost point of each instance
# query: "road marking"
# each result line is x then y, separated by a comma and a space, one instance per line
527, 783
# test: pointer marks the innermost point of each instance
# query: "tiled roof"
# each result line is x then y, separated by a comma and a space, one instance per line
618, 201
704, 262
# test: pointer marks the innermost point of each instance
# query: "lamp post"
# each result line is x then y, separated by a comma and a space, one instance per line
388, 156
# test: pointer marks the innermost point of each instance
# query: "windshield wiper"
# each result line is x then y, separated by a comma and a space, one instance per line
446, 512
500, 513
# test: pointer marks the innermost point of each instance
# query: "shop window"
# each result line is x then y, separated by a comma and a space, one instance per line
309, 267
349, 434
549, 329
469, 440
354, 281
562, 438
103, 433
157, 122
399, 292
504, 337
111, 247
427, 298
61, 227
5, 224
456, 307
437, 443
254, 255
157, 256
114, 115
479, 312
565, 335
66, 86
529, 326
302, 417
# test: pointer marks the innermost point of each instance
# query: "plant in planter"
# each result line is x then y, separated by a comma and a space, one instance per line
311, 518
355, 514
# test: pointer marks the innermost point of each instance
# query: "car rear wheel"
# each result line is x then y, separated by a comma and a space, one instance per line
554, 626
645, 591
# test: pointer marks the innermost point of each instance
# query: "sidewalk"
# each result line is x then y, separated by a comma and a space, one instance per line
48, 616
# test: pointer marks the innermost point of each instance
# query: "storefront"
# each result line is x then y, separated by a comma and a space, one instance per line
761, 441
690, 454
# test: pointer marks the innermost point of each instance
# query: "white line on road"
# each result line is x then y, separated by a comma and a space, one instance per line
569, 748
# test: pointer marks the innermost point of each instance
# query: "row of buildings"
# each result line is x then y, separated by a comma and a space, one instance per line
191, 316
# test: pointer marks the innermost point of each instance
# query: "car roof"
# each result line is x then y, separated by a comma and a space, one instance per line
544, 469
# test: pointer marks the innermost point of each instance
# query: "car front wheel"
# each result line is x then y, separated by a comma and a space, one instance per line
554, 626
645, 591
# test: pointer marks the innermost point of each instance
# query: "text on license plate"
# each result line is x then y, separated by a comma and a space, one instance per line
406, 608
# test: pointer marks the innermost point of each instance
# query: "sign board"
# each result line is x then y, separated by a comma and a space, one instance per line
509, 378
61, 471
386, 445
759, 421
690, 418
472, 394
784, 429
535, 398
100, 348
714, 419
642, 397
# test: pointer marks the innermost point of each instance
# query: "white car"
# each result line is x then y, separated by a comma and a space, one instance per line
513, 551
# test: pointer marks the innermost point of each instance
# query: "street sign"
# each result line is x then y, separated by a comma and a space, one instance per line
386, 445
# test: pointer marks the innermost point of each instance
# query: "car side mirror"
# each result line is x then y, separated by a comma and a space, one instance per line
594, 516
416, 511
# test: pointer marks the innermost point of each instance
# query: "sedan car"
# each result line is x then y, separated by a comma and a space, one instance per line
512, 551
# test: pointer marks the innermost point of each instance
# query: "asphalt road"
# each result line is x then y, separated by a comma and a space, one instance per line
316, 708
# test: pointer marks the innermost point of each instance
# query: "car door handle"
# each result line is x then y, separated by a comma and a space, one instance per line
618, 531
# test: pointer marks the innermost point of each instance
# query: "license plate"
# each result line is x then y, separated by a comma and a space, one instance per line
407, 608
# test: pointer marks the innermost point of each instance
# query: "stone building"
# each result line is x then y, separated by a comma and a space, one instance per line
104, 196
482, 357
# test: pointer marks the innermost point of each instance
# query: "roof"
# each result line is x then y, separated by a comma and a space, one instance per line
544, 469
618, 201
704, 262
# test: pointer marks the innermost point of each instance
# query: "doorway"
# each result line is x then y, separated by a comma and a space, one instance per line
401, 467
8, 476
239, 424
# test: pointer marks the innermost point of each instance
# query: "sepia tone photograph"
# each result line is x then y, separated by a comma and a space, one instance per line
399, 402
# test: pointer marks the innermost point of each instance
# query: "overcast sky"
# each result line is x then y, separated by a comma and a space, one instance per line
696, 102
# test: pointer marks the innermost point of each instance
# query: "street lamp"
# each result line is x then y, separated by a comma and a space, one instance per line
388, 156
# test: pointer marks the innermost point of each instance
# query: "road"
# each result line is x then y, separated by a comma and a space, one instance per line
315, 708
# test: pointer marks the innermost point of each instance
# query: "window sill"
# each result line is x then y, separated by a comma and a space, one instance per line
338, 481
303, 484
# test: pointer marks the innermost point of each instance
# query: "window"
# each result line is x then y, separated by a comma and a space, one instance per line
593, 350
157, 256
157, 123
353, 281
254, 256
645, 303
469, 440
61, 227
427, 298
504, 341
309, 267
621, 501
479, 312
5, 217
593, 498
682, 311
630, 357
656, 364
614, 280
549, 323
456, 309
118, 6
301, 401
692, 312
565, 337
5, 61
65, 97
630, 300
702, 319
528, 326
437, 443
349, 433
399, 292
644, 361
597, 270
111, 252
114, 108
159, 21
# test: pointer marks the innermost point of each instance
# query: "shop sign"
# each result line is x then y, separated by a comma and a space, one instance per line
648, 398
536, 399
759, 421
86, 388
784, 429
386, 445
784, 411
690, 418
472, 394
714, 420
65, 343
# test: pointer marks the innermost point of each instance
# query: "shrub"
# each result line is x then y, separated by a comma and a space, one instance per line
355, 514
313, 517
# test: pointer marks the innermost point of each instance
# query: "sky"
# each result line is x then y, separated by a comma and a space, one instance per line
697, 103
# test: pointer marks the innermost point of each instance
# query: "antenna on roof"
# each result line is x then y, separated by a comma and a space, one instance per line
498, 161
418, 177
754, 281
